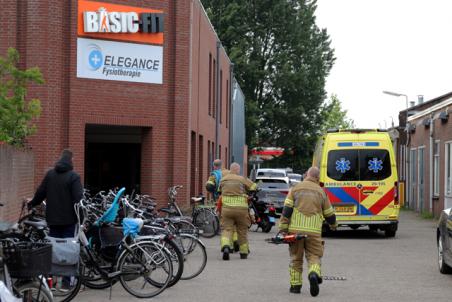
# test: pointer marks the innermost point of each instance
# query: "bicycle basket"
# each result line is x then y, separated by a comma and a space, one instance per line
27, 259
110, 236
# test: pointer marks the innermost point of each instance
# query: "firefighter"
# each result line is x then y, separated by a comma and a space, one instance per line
305, 209
212, 185
234, 188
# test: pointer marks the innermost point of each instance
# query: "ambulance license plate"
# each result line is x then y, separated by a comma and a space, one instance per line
344, 209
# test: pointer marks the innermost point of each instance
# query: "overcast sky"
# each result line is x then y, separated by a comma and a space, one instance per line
404, 46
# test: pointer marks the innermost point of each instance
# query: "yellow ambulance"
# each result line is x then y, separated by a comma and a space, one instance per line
359, 174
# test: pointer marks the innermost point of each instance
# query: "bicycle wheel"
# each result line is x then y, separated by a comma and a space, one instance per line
65, 289
177, 258
91, 277
143, 266
195, 255
185, 227
207, 222
34, 291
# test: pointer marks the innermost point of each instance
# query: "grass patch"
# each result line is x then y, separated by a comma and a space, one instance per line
427, 215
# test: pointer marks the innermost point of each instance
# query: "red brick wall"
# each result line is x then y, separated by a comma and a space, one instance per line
203, 41
443, 133
168, 111
16, 180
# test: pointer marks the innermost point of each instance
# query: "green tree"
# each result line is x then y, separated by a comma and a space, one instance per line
281, 59
335, 116
16, 112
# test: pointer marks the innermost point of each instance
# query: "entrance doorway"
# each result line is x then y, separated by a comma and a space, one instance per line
112, 157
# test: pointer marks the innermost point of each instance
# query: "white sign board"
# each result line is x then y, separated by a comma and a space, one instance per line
118, 61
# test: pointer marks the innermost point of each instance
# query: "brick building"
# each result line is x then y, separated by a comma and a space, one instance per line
145, 126
425, 154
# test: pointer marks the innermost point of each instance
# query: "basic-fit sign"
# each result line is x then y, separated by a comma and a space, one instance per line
118, 61
107, 43
103, 21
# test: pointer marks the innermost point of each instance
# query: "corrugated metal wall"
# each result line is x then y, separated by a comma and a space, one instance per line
238, 125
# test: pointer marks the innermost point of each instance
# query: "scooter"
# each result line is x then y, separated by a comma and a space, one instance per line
264, 214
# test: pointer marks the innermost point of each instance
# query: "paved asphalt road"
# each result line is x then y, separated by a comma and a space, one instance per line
403, 268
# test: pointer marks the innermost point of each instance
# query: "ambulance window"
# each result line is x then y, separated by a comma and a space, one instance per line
374, 164
343, 165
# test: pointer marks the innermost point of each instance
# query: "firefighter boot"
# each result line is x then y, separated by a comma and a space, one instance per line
236, 246
226, 252
235, 240
295, 289
314, 284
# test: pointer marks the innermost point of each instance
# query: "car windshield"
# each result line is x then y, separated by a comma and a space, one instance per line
269, 183
359, 164
295, 177
271, 174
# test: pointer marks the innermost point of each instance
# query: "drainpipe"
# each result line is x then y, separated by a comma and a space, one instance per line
217, 98
431, 164
231, 107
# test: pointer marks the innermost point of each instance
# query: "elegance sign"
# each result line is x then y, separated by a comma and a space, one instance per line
107, 60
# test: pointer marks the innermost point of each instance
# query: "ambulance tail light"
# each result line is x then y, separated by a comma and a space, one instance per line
322, 184
396, 193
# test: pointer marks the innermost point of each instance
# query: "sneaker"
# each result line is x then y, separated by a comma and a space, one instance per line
295, 289
314, 284
243, 256
226, 253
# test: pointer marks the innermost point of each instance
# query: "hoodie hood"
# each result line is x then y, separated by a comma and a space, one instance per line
63, 165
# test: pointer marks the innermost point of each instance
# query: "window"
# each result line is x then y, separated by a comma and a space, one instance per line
200, 162
209, 157
227, 103
436, 168
448, 168
219, 148
362, 164
210, 84
221, 96
214, 92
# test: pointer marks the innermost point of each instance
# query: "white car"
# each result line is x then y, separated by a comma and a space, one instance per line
273, 190
271, 173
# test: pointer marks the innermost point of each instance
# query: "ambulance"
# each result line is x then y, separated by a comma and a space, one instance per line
359, 174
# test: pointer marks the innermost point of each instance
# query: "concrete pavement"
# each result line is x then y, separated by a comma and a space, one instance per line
376, 268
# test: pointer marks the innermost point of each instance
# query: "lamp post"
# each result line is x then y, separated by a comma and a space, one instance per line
406, 139
397, 95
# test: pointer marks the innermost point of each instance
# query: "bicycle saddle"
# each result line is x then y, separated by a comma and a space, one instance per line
41, 224
168, 210
197, 199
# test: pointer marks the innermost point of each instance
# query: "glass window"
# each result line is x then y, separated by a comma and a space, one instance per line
448, 168
343, 165
362, 164
374, 164
436, 168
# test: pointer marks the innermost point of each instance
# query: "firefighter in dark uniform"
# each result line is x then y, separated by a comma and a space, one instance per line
234, 189
305, 209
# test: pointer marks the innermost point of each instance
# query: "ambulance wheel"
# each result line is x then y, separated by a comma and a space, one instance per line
391, 230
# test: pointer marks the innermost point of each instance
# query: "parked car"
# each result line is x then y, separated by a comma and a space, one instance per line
271, 173
444, 241
273, 191
294, 178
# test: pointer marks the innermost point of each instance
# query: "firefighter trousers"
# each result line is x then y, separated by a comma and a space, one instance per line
235, 219
312, 248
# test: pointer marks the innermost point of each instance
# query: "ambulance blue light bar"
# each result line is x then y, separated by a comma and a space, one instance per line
358, 144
